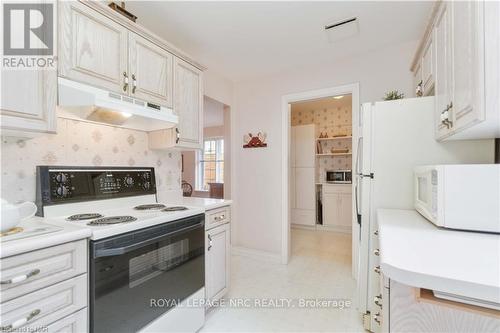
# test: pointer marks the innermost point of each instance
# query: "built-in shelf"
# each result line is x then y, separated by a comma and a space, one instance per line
334, 138
336, 154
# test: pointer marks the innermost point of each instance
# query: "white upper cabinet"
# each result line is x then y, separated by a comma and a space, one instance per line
92, 48
188, 104
465, 39
150, 71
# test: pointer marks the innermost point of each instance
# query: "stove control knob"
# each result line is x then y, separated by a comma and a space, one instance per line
61, 178
145, 175
62, 191
146, 185
129, 181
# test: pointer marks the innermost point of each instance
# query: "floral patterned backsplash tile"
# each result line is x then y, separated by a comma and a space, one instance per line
84, 144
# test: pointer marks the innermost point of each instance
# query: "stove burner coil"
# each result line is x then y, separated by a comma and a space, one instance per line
87, 216
150, 207
174, 208
112, 220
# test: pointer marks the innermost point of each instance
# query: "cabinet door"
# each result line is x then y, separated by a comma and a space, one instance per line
468, 63
28, 103
443, 61
428, 68
151, 72
345, 211
305, 188
331, 207
188, 104
92, 48
305, 146
217, 261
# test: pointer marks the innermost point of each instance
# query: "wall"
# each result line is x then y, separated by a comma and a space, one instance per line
84, 144
218, 87
257, 107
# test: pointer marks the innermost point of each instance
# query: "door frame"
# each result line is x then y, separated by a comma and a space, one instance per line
353, 89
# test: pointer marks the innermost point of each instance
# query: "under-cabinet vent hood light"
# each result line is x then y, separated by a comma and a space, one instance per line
82, 102
342, 29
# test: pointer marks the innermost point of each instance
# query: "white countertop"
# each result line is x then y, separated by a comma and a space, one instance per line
415, 252
205, 203
68, 233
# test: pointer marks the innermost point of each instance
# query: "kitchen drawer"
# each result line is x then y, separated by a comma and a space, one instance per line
217, 217
338, 188
27, 272
74, 323
46, 306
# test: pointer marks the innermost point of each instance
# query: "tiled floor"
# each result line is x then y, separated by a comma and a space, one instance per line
320, 267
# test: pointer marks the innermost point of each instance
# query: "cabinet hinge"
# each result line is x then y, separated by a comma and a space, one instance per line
367, 321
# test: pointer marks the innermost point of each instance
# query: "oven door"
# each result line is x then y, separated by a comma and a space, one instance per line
130, 272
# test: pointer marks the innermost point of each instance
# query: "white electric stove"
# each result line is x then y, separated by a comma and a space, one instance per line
139, 250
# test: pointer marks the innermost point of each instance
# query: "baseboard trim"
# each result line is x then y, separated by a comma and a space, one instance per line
304, 227
341, 229
255, 254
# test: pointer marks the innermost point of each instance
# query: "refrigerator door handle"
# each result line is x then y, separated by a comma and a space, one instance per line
358, 214
358, 156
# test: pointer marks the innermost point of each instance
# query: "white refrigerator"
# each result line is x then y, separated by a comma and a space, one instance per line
394, 137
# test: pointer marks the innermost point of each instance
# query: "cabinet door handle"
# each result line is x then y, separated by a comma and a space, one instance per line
378, 300
177, 135
376, 317
20, 278
125, 81
134, 83
376, 269
209, 243
376, 252
20, 322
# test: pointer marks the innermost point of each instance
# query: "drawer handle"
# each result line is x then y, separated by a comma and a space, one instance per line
209, 243
21, 278
219, 218
20, 322
377, 269
376, 317
378, 300
376, 252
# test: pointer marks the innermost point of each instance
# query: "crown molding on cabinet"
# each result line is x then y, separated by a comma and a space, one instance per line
102, 7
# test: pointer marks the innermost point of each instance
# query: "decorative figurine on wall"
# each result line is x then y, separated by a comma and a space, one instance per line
258, 141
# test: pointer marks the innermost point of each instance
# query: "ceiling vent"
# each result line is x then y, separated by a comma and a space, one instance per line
342, 29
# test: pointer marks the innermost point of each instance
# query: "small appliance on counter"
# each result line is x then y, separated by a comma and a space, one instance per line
459, 196
339, 176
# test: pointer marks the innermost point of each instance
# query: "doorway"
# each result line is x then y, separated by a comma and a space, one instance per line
206, 172
288, 101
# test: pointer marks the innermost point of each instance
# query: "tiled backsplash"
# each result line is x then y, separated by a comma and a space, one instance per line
84, 144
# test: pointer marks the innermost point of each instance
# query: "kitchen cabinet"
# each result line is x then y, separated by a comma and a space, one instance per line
28, 103
150, 70
46, 288
188, 105
92, 48
460, 53
218, 253
103, 53
337, 207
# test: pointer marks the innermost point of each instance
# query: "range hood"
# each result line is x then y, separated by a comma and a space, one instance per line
82, 102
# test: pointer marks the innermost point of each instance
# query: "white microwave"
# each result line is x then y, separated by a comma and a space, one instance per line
461, 196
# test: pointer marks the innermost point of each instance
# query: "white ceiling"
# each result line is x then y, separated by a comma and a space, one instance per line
243, 40
323, 103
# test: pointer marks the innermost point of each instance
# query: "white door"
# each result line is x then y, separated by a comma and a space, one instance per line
188, 104
151, 71
443, 66
468, 62
92, 48
331, 208
345, 212
217, 261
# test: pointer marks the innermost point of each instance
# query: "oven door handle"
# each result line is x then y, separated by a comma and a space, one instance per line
125, 249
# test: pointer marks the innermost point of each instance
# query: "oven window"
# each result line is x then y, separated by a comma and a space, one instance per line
125, 288
422, 189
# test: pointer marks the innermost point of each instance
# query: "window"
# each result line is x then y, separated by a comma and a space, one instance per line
210, 166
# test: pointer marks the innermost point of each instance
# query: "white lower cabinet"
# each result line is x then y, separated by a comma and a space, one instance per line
337, 207
217, 260
45, 290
